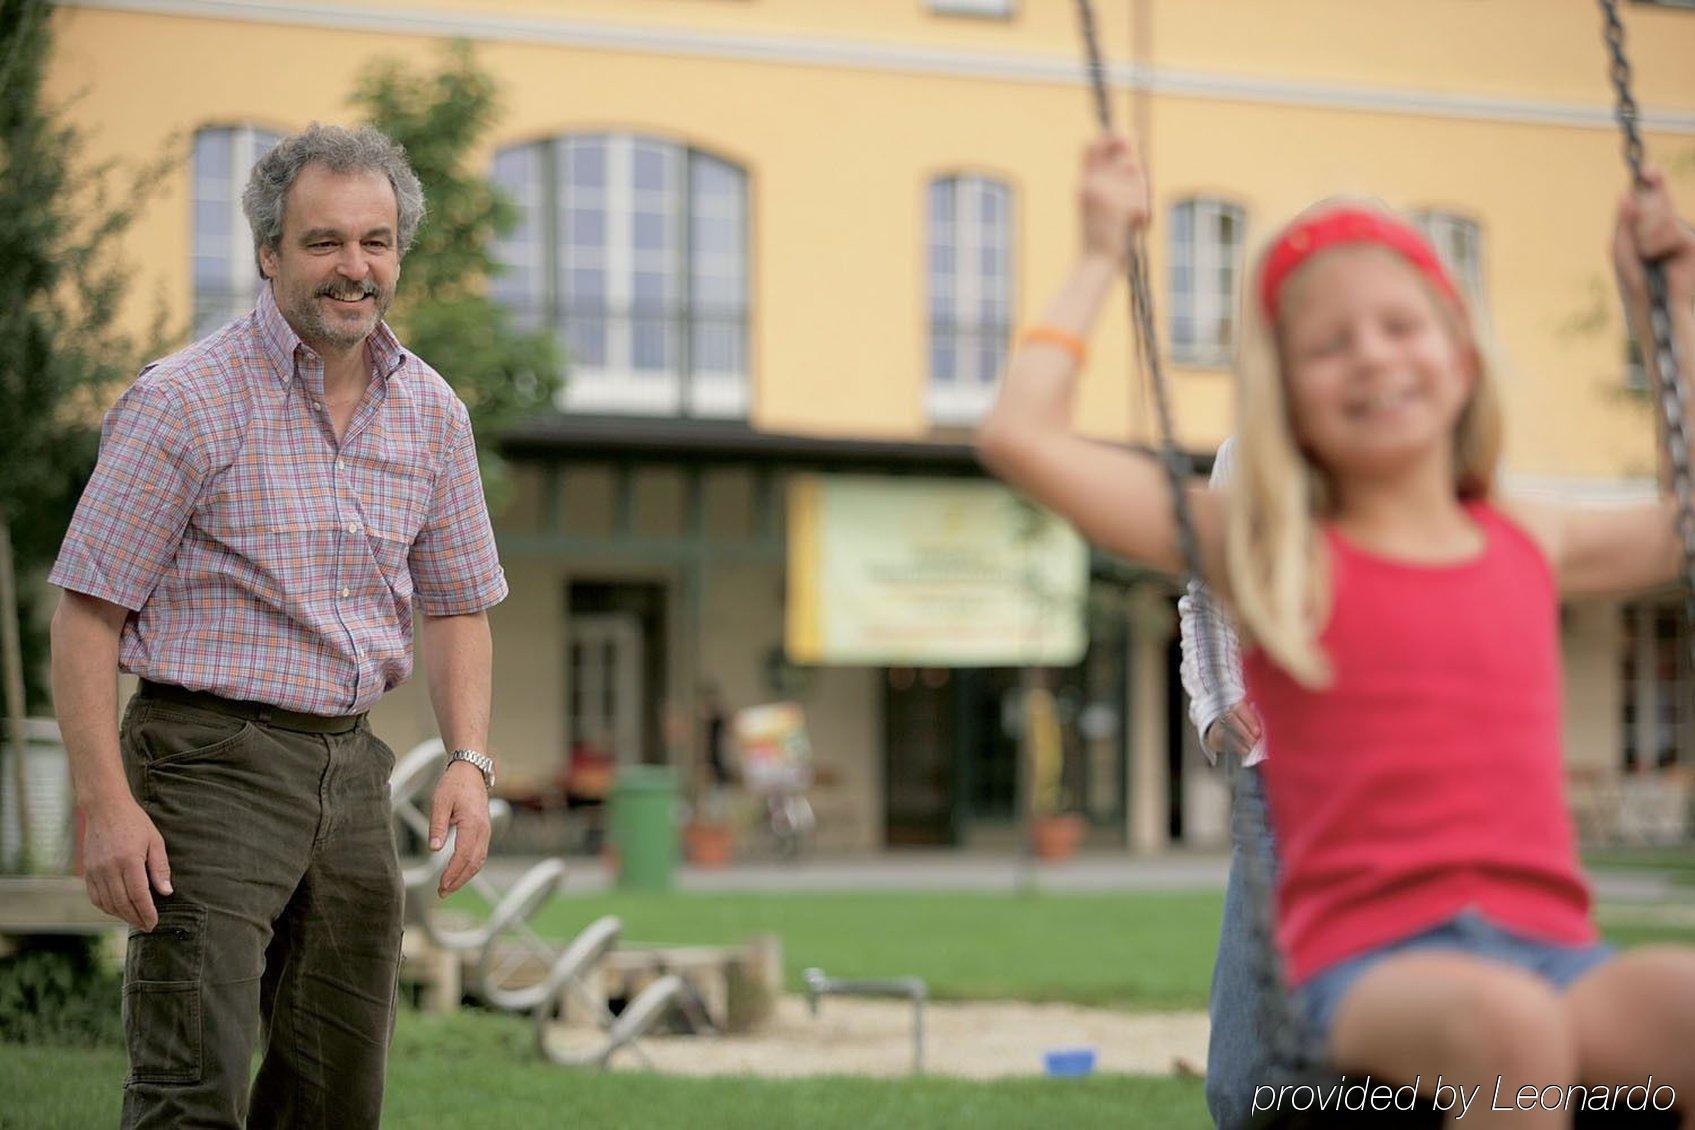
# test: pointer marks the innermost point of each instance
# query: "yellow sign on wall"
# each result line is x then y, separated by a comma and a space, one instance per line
930, 572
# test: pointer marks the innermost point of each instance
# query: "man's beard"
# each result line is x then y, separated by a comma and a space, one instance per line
307, 314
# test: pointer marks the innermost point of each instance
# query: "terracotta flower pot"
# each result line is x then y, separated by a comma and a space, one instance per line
1056, 837
708, 845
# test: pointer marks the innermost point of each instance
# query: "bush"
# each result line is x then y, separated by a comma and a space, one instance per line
58, 991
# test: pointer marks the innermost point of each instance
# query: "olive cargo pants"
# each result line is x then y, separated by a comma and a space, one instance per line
284, 926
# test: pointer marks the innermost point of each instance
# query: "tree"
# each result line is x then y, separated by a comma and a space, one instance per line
443, 312
62, 350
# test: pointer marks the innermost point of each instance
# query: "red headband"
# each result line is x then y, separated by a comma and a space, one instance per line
1302, 240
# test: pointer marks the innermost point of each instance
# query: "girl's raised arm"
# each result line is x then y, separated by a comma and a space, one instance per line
1632, 547
1117, 498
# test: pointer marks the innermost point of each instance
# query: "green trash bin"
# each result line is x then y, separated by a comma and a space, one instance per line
642, 825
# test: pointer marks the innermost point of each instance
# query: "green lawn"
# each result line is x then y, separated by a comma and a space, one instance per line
1676, 862
1136, 951
1144, 950
477, 1070
1119, 950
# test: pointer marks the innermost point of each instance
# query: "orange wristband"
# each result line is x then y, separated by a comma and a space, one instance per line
1049, 335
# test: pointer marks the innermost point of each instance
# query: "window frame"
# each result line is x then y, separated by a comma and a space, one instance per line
966, 396
1643, 700
1438, 225
240, 285
1216, 305
614, 382
977, 9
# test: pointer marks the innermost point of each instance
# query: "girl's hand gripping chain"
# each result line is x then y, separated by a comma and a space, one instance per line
1112, 197
1648, 229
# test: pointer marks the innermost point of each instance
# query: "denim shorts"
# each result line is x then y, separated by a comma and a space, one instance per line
1467, 932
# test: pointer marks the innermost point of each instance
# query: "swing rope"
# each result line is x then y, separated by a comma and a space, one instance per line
1661, 353
1290, 1041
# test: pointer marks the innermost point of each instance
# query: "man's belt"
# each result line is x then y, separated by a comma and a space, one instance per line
262, 712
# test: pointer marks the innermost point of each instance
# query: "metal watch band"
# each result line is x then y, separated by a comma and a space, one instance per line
483, 763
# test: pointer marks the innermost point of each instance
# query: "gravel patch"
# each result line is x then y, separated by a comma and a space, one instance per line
972, 1040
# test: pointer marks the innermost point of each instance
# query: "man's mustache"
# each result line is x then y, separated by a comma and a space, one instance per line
350, 293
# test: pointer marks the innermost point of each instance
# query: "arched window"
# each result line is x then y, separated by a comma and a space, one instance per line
970, 268
1206, 260
226, 279
635, 250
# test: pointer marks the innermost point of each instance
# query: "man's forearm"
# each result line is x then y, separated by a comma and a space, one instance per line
459, 660
85, 696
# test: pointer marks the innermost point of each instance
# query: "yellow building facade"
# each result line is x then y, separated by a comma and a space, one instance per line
876, 191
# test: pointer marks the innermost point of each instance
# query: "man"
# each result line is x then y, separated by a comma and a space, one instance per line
268, 506
1238, 1048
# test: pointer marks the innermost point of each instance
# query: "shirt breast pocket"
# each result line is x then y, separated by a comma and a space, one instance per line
394, 517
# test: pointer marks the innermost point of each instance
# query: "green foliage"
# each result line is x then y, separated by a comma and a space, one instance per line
57, 992
61, 286
443, 312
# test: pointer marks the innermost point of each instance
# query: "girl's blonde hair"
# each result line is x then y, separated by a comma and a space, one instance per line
1278, 495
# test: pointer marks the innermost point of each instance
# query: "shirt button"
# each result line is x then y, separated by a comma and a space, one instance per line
345, 593
341, 464
353, 527
316, 407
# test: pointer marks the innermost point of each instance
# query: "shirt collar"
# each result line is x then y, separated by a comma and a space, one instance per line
280, 341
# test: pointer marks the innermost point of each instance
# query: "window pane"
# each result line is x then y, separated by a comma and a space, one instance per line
212, 220
586, 227
585, 162
941, 357
220, 257
648, 290
715, 179
519, 284
210, 275
717, 320
213, 153
648, 231
585, 341
941, 202
650, 344
989, 362
717, 346
585, 288
649, 168
715, 235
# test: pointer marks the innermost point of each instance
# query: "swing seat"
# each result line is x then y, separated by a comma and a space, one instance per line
1425, 1114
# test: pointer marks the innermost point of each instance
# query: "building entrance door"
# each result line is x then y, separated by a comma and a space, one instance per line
605, 669
919, 770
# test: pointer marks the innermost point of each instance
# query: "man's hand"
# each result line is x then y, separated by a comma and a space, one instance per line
122, 852
460, 803
1236, 731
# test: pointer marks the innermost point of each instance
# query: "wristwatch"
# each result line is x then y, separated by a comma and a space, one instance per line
483, 762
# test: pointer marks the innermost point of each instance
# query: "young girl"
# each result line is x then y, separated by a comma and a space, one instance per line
1403, 632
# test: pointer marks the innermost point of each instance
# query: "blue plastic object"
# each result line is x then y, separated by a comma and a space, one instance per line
1066, 1062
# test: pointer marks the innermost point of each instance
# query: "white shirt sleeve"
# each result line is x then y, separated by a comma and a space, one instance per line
1211, 666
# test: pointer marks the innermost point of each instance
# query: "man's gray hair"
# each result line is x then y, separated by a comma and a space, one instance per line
341, 150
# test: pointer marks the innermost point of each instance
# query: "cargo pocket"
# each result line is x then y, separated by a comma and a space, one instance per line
162, 1025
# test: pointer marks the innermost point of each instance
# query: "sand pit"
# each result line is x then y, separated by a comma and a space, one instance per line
978, 1041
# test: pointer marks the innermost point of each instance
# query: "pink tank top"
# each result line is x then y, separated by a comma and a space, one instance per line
1428, 778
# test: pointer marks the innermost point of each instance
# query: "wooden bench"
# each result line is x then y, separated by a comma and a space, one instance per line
34, 905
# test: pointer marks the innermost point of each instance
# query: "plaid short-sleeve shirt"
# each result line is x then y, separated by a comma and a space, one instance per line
260, 558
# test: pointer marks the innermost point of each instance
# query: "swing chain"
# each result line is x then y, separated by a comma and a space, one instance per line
1289, 1039
1667, 375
